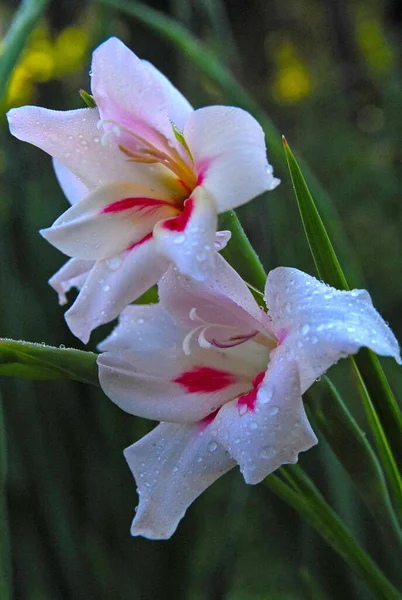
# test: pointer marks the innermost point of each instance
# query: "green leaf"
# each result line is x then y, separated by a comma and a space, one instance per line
382, 410
38, 361
354, 452
88, 99
5, 550
25, 20
302, 495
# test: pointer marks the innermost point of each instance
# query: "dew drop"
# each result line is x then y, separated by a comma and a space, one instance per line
253, 425
106, 288
212, 446
114, 262
305, 329
273, 410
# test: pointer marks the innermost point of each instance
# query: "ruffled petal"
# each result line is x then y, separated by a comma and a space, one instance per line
167, 385
270, 433
317, 324
144, 327
229, 152
178, 107
72, 274
222, 299
72, 138
107, 221
112, 285
172, 466
188, 240
128, 92
73, 188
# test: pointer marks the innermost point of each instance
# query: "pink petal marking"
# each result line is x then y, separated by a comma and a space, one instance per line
205, 380
248, 400
179, 223
139, 203
142, 241
281, 335
208, 420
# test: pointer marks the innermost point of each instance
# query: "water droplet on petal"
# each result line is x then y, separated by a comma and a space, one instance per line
114, 262
212, 446
305, 329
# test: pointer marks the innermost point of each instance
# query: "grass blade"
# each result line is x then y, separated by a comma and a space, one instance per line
37, 361
25, 20
5, 550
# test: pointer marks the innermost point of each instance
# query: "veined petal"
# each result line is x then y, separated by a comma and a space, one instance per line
167, 385
72, 137
188, 240
178, 107
74, 189
273, 431
144, 327
317, 324
112, 285
72, 274
222, 299
172, 466
127, 91
107, 221
229, 152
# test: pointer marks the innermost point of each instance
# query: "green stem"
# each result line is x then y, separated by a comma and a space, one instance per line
308, 501
25, 20
5, 551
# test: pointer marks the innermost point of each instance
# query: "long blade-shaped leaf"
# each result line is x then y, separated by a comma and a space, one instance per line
387, 426
37, 361
353, 450
26, 18
308, 501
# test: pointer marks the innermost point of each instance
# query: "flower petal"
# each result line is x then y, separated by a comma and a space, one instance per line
127, 91
172, 466
144, 327
112, 285
72, 274
107, 221
317, 324
273, 432
188, 240
167, 385
72, 137
178, 107
222, 299
72, 186
229, 152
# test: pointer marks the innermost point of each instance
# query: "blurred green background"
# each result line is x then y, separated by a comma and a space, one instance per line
328, 73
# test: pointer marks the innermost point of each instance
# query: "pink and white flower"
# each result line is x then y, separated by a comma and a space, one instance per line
146, 176
226, 379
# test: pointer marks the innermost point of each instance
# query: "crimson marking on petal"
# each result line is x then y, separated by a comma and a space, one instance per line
138, 203
205, 380
142, 241
208, 420
184, 185
179, 223
248, 400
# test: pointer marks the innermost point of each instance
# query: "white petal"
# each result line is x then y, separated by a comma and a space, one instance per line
274, 432
222, 299
144, 327
72, 274
72, 186
178, 107
72, 137
127, 91
229, 152
90, 231
188, 240
172, 466
166, 385
319, 324
112, 285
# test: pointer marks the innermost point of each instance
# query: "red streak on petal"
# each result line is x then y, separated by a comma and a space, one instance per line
184, 185
138, 203
281, 335
250, 398
205, 380
208, 420
179, 223
142, 241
